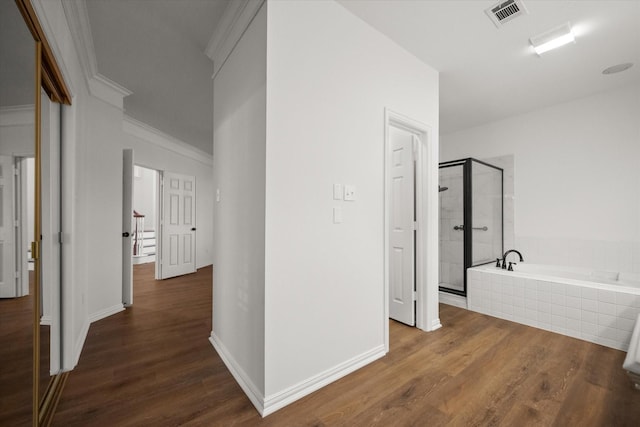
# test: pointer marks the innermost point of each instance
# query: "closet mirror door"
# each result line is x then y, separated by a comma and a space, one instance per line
17, 221
49, 301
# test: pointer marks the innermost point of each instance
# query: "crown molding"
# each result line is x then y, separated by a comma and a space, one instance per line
47, 28
80, 28
236, 18
20, 115
108, 90
160, 139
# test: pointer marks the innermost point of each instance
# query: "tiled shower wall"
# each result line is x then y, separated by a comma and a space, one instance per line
623, 257
593, 254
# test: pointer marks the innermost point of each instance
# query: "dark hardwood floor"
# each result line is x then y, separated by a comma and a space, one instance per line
16, 359
152, 365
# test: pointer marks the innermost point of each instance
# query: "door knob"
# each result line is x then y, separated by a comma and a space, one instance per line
126, 234
193, 229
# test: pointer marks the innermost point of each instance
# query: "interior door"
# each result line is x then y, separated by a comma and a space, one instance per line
178, 225
127, 228
402, 219
8, 284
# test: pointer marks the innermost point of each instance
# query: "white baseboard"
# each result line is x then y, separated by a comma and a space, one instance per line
285, 397
45, 321
143, 259
270, 404
435, 325
255, 396
94, 317
80, 343
451, 299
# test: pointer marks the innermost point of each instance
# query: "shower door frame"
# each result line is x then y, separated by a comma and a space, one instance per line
467, 216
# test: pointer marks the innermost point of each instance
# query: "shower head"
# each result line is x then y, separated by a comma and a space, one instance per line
441, 189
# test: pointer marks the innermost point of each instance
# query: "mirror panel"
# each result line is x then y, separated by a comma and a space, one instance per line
17, 280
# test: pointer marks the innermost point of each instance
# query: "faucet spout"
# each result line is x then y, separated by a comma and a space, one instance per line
504, 257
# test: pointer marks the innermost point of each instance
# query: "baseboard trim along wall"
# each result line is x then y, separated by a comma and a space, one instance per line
280, 400
249, 388
99, 315
82, 337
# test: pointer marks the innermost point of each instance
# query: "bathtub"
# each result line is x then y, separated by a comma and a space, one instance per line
596, 306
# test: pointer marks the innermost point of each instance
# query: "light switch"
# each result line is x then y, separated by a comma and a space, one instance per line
349, 192
337, 215
337, 191
217, 194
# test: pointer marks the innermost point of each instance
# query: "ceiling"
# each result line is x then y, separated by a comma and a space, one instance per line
488, 73
156, 50
17, 58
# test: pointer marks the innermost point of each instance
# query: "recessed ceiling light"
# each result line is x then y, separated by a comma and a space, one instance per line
617, 68
552, 39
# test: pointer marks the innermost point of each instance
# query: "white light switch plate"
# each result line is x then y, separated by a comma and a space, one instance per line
217, 195
337, 191
349, 192
337, 215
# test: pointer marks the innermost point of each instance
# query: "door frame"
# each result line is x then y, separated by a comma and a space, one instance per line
158, 226
426, 205
159, 222
128, 164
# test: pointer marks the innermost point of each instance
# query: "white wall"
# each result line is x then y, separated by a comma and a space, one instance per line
75, 317
93, 140
576, 178
330, 77
239, 174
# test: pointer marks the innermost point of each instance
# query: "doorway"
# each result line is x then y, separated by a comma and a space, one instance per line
144, 227
159, 222
411, 223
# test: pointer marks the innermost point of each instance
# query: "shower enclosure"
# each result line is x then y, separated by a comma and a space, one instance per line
471, 223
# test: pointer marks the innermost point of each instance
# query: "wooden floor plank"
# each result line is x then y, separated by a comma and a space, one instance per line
153, 365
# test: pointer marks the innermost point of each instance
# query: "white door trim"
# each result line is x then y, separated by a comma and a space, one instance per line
128, 156
427, 315
159, 222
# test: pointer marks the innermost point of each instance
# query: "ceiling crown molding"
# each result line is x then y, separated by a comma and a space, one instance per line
80, 27
19, 115
236, 18
160, 139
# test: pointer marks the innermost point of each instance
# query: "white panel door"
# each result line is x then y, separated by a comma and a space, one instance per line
127, 227
178, 240
8, 283
401, 240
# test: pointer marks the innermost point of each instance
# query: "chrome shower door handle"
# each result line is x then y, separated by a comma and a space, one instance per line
461, 227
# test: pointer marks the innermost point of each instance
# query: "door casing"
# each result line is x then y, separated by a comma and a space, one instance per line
426, 244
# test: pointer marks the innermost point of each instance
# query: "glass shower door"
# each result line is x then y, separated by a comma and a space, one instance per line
451, 195
487, 213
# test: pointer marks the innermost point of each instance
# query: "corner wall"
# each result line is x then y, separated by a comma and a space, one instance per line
238, 213
330, 77
576, 178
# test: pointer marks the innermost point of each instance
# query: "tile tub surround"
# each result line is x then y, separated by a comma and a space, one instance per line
602, 314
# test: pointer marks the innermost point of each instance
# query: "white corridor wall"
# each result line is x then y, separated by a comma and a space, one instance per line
298, 106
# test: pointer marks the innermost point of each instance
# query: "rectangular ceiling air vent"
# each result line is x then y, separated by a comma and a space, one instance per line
506, 11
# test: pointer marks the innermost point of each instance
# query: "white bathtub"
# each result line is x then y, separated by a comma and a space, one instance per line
595, 306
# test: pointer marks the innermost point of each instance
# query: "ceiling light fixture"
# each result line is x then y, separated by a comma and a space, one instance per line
552, 39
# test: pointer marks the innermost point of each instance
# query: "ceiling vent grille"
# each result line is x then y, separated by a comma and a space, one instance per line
506, 11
